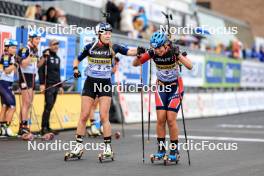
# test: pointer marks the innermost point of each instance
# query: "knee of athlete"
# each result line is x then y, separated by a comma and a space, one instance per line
104, 115
26, 102
4, 107
161, 122
172, 123
13, 107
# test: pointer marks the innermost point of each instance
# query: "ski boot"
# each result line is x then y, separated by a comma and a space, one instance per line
46, 135
2, 131
171, 158
93, 131
25, 133
107, 154
8, 131
157, 156
76, 153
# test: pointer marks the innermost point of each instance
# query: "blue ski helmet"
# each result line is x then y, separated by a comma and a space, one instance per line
158, 39
10, 42
33, 34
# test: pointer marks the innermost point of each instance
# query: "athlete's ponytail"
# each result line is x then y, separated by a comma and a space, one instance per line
112, 50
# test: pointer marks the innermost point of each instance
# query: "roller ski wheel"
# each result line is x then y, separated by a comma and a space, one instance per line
93, 135
27, 137
70, 155
171, 158
103, 157
48, 136
156, 157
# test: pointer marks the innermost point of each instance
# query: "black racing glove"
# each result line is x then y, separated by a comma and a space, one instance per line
18, 59
16, 64
76, 73
151, 52
140, 50
176, 51
116, 59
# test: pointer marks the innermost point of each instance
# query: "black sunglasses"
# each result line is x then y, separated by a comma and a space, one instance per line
57, 43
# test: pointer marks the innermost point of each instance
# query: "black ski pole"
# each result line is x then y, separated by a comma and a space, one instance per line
57, 84
149, 99
168, 17
142, 116
184, 126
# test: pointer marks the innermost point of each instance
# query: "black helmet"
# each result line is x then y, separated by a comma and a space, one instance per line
103, 27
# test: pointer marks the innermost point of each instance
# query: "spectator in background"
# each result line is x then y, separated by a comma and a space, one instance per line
138, 26
38, 13
236, 49
254, 53
220, 49
195, 45
50, 15
114, 14
143, 17
208, 48
140, 22
149, 31
127, 16
261, 54
244, 51
61, 18
31, 12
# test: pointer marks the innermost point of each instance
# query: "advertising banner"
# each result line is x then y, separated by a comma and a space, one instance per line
222, 72
252, 74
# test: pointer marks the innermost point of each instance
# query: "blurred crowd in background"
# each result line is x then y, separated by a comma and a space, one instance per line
135, 24
52, 14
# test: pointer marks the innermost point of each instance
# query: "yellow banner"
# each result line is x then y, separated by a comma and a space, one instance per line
65, 113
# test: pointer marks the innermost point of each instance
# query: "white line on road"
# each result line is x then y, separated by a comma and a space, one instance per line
214, 138
240, 126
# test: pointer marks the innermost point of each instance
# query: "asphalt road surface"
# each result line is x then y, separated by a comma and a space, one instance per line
244, 131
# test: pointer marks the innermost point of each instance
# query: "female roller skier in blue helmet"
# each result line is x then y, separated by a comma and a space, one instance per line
167, 59
8, 67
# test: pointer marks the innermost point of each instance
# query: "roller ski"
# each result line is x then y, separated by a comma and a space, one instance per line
25, 134
157, 156
171, 158
46, 135
75, 154
107, 154
6, 131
